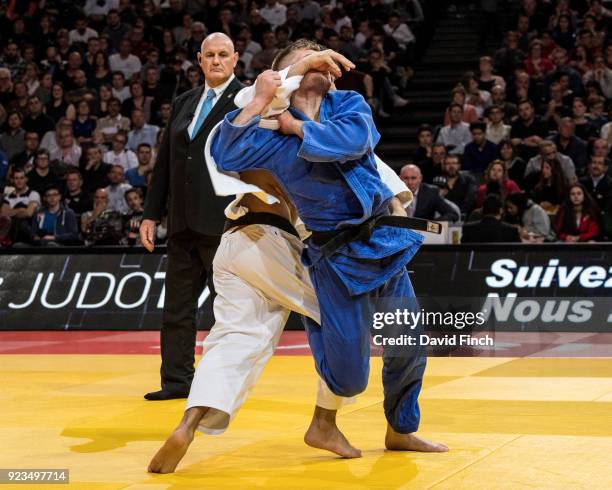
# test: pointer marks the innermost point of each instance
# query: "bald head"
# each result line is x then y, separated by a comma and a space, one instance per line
216, 38
412, 177
217, 58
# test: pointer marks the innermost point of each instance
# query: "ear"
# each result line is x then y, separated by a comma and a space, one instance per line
236, 58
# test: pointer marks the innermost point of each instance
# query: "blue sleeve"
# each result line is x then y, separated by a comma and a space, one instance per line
347, 135
242, 147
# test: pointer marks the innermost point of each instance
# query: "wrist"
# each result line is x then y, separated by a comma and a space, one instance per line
259, 103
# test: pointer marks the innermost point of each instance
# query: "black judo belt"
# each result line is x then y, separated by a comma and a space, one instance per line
261, 219
330, 241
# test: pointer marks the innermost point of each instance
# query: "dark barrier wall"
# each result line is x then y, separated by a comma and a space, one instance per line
123, 288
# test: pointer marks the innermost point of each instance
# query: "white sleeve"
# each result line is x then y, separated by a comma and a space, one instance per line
389, 177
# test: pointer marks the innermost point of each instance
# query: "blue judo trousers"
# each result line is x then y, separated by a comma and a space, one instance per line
332, 179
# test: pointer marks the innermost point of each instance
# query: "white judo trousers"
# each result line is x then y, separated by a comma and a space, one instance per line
259, 280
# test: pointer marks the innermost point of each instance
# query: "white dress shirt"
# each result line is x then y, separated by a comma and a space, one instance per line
218, 91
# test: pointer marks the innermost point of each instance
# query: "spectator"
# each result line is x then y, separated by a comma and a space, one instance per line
496, 129
426, 202
115, 30
602, 75
57, 108
54, 224
570, 145
19, 205
137, 177
41, 176
380, 72
480, 99
112, 124
141, 132
490, 229
192, 44
555, 109
68, 152
75, 198
116, 189
442, 186
37, 121
95, 171
101, 70
21, 100
12, 141
120, 90
138, 100
459, 96
133, 198
597, 114
425, 138
515, 165
124, 61
597, 183
81, 33
527, 131
532, 221
565, 74
548, 152
31, 78
577, 220
25, 159
564, 32
274, 13
480, 152
456, 134
548, 186
461, 185
536, 64
487, 80
600, 148
496, 182
6, 87
582, 60
584, 129
399, 31
498, 98
508, 58
101, 225
80, 89
432, 167
84, 125
263, 59
347, 45
119, 154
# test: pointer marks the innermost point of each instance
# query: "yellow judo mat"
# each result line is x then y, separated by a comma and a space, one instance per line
510, 423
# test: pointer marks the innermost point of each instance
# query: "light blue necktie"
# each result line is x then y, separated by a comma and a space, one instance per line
206, 107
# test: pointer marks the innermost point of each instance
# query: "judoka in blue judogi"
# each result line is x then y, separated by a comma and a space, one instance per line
332, 179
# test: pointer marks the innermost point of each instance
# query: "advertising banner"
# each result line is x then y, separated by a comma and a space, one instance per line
550, 287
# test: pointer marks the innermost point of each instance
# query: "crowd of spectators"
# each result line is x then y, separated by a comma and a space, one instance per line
525, 144
86, 89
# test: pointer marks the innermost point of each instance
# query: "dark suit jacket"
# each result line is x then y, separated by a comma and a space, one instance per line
180, 177
489, 230
602, 193
429, 201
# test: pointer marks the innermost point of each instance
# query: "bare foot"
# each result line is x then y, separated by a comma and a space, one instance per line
394, 441
323, 433
173, 450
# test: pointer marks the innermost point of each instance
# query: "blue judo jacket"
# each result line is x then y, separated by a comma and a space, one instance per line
332, 179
